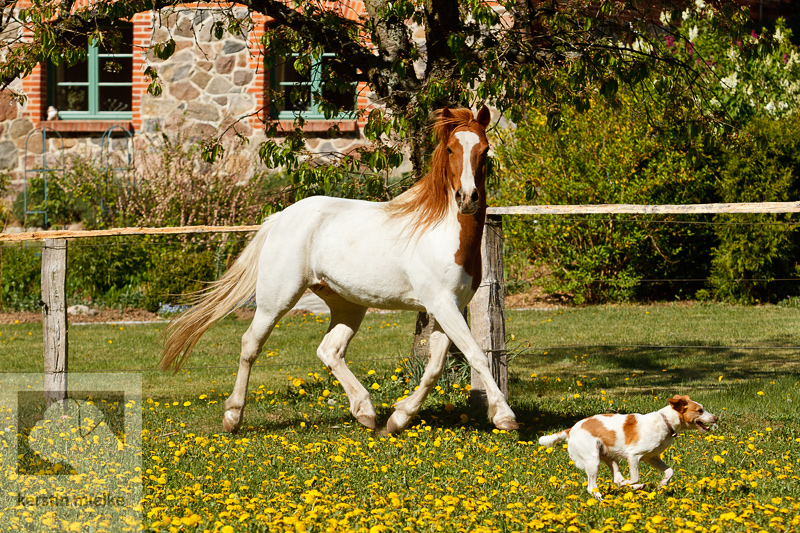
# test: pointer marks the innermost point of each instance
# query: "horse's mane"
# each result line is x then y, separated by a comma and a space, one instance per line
427, 201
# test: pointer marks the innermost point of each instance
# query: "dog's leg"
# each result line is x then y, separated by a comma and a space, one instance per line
633, 467
592, 466
661, 465
613, 465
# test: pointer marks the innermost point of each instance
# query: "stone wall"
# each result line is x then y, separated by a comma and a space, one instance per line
209, 86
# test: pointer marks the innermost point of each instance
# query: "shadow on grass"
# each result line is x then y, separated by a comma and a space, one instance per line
657, 368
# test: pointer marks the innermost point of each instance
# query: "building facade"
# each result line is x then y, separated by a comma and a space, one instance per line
211, 84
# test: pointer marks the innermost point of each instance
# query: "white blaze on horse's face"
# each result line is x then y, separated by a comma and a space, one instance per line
467, 196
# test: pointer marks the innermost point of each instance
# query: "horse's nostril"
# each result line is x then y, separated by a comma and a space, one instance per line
460, 196
474, 196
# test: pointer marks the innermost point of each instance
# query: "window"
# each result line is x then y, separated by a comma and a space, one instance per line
301, 95
99, 88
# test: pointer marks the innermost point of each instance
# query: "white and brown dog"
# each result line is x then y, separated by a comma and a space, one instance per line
633, 437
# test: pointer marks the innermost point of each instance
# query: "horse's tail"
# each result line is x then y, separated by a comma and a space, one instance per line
212, 304
549, 440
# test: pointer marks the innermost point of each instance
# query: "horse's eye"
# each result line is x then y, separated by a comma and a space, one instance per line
449, 150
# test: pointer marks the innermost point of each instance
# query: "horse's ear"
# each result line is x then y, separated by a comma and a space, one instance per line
484, 116
445, 113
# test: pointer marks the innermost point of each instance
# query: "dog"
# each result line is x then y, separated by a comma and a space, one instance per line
633, 437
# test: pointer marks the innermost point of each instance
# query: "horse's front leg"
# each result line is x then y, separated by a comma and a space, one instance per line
452, 322
252, 342
405, 409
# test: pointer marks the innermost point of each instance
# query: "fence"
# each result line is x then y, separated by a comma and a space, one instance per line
487, 309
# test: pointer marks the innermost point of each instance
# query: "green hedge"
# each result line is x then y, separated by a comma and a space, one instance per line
757, 255
607, 155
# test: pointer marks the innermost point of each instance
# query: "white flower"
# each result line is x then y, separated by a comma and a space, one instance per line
693, 34
700, 4
730, 82
640, 45
733, 53
685, 15
665, 17
770, 107
779, 36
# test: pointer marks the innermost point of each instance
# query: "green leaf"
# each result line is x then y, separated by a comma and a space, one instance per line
164, 50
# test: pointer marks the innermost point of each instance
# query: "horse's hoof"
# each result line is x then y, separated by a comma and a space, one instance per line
231, 422
393, 427
509, 424
368, 421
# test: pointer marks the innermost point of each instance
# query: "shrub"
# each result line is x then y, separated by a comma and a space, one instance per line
757, 253
173, 186
20, 276
176, 273
61, 206
607, 155
108, 271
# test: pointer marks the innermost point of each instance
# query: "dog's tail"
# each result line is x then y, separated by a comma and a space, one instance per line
549, 440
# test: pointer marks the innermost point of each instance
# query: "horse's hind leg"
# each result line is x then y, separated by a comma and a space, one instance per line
252, 342
405, 409
345, 321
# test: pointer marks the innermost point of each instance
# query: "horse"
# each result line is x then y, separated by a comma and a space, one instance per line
420, 251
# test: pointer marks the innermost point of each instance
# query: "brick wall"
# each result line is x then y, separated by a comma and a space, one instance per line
209, 85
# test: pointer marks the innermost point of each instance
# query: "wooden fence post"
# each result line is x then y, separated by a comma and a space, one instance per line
487, 315
54, 319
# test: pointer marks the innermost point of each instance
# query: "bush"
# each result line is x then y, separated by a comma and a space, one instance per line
607, 155
108, 271
757, 253
62, 207
173, 186
176, 273
20, 276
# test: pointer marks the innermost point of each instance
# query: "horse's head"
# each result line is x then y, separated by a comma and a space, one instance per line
466, 148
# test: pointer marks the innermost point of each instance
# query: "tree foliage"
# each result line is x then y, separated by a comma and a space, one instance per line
647, 147
607, 154
515, 55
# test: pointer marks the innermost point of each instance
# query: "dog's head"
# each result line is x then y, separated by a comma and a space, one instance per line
692, 415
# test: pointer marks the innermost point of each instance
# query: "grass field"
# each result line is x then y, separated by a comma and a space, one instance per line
302, 464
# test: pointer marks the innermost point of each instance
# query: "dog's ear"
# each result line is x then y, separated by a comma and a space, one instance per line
679, 402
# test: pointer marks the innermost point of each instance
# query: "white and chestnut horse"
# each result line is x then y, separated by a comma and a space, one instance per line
420, 252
